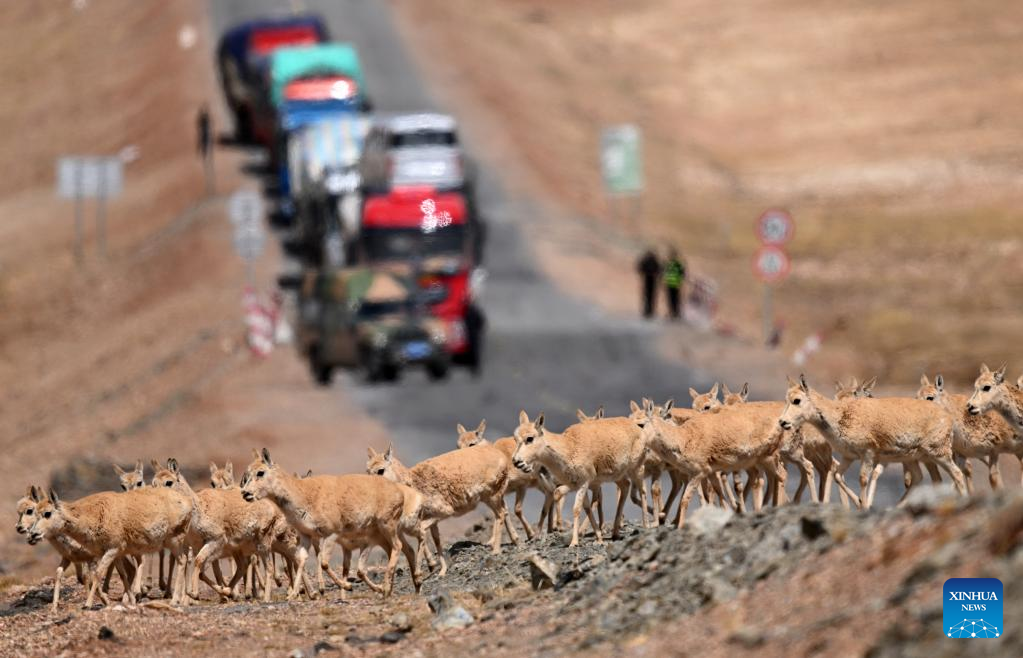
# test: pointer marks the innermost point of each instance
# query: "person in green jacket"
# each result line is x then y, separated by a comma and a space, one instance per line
674, 277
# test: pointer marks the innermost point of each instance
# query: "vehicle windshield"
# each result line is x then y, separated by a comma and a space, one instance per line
384, 244
423, 138
370, 310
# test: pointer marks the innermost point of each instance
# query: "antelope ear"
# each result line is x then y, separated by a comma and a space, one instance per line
308, 473
255, 454
580, 415
744, 393
460, 428
117, 469
724, 389
984, 369
868, 385
802, 383
668, 406
523, 417
482, 427
633, 407
854, 383
266, 457
600, 412
1000, 374
692, 393
229, 467
939, 383
213, 469
54, 499
648, 404
390, 452
35, 494
538, 423
155, 464
924, 381
172, 464
714, 390
370, 452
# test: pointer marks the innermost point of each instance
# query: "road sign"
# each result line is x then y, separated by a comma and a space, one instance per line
771, 264
621, 160
245, 207
249, 241
775, 227
88, 177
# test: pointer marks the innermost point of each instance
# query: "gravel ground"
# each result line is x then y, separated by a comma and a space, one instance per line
726, 585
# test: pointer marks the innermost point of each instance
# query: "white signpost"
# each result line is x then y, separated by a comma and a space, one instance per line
97, 177
245, 208
621, 166
771, 263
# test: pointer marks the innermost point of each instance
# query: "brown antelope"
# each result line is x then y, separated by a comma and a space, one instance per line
991, 392
876, 431
69, 550
518, 481
452, 484
983, 436
116, 525
357, 511
584, 455
223, 525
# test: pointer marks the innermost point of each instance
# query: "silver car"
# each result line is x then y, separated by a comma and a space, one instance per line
412, 150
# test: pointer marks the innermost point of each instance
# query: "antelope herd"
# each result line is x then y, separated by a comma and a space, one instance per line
273, 514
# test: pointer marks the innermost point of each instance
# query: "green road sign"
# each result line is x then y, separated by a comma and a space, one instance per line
621, 159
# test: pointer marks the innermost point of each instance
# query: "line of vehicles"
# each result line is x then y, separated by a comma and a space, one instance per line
379, 208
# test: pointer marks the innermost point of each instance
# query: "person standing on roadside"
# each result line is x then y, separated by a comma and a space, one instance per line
674, 278
204, 133
649, 268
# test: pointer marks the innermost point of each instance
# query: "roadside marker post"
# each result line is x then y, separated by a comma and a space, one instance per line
95, 177
245, 208
771, 264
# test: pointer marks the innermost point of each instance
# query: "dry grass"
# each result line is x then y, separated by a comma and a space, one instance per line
891, 132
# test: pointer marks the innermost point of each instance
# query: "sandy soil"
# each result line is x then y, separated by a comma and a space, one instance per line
887, 131
140, 355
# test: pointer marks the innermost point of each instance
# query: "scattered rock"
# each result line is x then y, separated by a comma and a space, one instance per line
812, 528
748, 638
323, 647
709, 519
448, 614
401, 622
105, 633
930, 498
543, 573
391, 637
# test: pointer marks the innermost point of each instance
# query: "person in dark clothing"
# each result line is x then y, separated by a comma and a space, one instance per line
674, 278
204, 131
649, 268
475, 324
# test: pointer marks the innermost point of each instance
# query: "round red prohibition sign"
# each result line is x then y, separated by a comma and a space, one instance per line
771, 264
775, 227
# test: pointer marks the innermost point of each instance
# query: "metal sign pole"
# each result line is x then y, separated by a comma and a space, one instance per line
101, 213
79, 230
768, 312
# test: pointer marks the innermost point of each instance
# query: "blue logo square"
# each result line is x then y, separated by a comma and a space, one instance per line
972, 608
